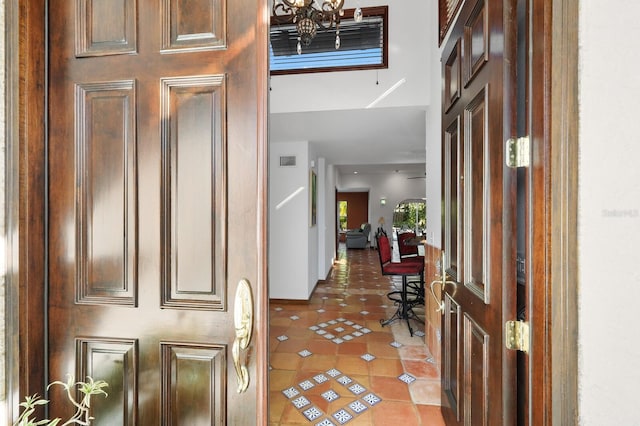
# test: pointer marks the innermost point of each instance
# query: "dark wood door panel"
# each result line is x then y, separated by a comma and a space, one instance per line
105, 198
477, 376
153, 135
452, 378
194, 196
480, 198
477, 195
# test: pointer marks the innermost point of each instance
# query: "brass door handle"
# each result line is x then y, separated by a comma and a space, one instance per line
442, 280
243, 322
439, 302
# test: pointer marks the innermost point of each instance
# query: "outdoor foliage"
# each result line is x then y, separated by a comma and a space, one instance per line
410, 215
81, 416
342, 213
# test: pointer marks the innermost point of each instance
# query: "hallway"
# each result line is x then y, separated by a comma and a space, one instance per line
331, 362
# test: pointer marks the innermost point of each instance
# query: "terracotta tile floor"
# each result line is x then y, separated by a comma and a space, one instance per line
332, 363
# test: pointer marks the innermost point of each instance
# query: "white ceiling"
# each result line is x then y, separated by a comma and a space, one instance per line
363, 136
329, 109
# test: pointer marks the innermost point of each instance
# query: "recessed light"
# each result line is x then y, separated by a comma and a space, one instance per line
355, 173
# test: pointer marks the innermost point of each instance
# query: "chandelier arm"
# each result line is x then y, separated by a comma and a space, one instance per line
291, 3
281, 7
331, 6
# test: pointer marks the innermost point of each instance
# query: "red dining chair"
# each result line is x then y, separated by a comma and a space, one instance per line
407, 298
408, 252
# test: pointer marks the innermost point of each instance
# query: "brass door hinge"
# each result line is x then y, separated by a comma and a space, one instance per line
517, 152
517, 335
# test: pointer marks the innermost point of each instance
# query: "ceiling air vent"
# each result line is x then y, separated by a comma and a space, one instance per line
288, 161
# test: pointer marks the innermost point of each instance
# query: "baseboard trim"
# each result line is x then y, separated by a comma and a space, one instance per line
290, 301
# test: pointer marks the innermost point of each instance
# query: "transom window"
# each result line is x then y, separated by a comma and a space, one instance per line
363, 45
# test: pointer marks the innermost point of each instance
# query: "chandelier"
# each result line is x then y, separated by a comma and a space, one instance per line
309, 16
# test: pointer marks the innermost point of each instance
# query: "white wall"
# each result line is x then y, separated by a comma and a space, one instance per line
312, 272
609, 214
289, 230
327, 91
299, 254
326, 218
395, 187
433, 137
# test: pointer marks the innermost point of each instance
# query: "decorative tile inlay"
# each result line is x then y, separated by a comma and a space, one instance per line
330, 395
306, 385
300, 402
345, 380
357, 389
291, 392
407, 378
357, 407
371, 399
342, 416
305, 353
312, 413
345, 331
368, 357
334, 373
320, 378
327, 396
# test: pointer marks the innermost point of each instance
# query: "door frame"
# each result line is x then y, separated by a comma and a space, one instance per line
552, 283
556, 360
560, 307
25, 205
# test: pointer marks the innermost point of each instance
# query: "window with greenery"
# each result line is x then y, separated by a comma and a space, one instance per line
342, 215
363, 45
410, 215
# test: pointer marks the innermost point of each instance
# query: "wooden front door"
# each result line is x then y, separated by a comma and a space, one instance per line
478, 372
155, 200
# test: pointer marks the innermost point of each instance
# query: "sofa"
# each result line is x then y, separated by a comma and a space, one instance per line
358, 238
